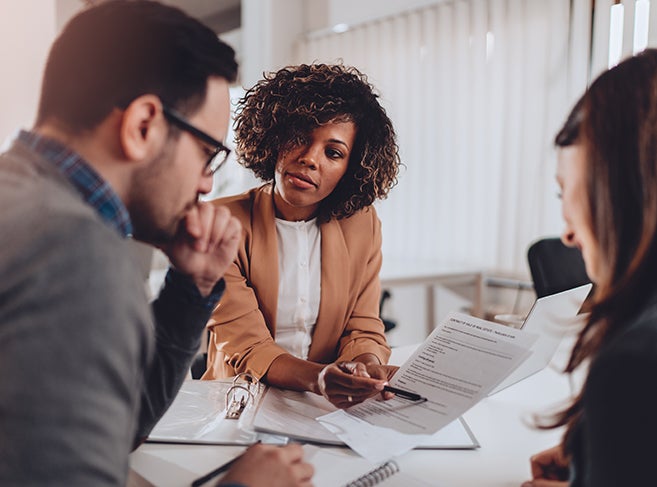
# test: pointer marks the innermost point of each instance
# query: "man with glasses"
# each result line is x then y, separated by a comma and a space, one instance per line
217, 152
133, 108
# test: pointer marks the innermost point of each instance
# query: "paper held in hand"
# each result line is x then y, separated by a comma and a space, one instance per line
456, 366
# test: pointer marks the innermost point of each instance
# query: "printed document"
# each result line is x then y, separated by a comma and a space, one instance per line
293, 413
456, 366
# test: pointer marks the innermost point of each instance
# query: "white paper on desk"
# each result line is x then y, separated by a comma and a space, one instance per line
293, 413
456, 366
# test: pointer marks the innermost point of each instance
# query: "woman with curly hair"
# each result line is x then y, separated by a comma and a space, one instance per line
301, 307
607, 171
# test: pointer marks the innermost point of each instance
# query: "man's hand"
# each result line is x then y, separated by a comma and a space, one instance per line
271, 466
205, 245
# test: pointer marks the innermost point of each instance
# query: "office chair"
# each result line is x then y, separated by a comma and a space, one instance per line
199, 364
387, 324
555, 267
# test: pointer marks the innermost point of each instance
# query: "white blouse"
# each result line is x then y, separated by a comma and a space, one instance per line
299, 284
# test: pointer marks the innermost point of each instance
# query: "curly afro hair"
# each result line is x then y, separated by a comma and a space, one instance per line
282, 110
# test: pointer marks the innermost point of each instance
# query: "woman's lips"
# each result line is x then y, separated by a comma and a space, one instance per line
301, 181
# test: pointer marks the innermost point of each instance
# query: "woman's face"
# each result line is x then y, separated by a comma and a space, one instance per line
571, 176
307, 174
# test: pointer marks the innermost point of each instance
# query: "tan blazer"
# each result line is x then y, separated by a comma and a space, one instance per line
348, 324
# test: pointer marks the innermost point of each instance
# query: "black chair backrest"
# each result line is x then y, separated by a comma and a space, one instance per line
555, 267
387, 324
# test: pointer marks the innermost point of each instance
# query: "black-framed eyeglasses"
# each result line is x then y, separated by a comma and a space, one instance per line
218, 151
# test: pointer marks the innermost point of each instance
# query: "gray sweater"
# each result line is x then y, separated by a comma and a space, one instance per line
86, 365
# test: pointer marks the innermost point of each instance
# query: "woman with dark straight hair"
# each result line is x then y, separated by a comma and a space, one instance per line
607, 171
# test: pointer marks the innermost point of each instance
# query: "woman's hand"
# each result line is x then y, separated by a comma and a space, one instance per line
347, 383
384, 372
549, 469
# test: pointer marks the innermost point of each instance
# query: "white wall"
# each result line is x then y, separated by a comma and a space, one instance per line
269, 30
27, 29
65, 9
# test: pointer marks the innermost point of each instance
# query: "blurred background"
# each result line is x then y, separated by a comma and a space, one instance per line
476, 89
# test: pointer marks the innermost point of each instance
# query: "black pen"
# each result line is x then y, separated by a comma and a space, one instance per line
405, 394
217, 471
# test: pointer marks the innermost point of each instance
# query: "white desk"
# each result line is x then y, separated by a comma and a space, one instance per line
506, 441
498, 422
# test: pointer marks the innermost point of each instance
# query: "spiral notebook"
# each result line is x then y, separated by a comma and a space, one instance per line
340, 467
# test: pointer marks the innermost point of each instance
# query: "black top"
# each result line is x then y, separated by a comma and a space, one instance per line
615, 443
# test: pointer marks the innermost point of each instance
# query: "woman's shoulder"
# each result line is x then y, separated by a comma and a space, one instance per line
637, 341
620, 374
365, 217
241, 205
643, 326
361, 231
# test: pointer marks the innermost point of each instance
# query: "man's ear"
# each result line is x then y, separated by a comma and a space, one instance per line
143, 128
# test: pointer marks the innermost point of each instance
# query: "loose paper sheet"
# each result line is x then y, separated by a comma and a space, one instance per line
456, 366
293, 413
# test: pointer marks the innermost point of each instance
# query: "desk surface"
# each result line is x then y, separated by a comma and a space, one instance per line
501, 423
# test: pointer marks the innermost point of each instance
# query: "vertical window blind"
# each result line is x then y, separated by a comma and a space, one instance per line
476, 90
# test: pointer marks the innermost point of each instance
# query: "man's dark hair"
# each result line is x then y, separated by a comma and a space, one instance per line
112, 53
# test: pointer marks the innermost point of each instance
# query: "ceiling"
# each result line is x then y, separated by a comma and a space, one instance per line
220, 15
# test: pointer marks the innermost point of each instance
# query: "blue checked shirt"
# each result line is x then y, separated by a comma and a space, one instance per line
99, 194
95, 191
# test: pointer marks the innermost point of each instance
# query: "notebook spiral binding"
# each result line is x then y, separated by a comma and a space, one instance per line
375, 476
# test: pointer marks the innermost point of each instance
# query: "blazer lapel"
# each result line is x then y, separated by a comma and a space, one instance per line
334, 293
264, 255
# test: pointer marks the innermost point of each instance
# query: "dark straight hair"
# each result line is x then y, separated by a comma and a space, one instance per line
112, 53
616, 123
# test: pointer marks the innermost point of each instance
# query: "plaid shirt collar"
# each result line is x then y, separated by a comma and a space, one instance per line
94, 190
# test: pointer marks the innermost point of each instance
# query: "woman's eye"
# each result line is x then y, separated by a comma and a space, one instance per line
334, 154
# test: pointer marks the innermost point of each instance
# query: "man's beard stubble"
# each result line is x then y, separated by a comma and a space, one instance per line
150, 224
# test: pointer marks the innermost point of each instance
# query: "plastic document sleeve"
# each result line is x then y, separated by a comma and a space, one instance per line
216, 412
